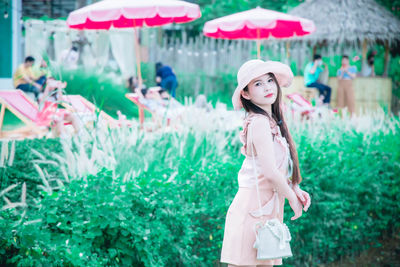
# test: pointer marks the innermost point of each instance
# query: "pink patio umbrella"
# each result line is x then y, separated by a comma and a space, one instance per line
132, 14
257, 24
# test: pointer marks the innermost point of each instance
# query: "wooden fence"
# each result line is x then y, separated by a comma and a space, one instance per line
214, 56
201, 61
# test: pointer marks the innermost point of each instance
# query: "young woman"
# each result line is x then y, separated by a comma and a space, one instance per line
259, 93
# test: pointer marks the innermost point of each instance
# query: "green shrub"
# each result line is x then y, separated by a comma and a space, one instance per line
107, 93
175, 188
100, 221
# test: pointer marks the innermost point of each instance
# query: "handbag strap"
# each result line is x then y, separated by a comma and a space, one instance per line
276, 199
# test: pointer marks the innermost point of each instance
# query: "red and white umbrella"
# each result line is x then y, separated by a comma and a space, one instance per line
257, 24
132, 14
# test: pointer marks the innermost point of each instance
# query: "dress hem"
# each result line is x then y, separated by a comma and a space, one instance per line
267, 262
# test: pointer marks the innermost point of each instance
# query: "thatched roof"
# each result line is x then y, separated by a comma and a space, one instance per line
349, 21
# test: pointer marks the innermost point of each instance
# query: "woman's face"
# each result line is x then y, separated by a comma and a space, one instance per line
262, 91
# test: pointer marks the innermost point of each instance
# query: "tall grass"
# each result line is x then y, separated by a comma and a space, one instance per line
186, 178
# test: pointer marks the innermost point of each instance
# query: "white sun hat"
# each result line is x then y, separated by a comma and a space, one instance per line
255, 68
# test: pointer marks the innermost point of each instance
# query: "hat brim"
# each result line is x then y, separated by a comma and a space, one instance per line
282, 72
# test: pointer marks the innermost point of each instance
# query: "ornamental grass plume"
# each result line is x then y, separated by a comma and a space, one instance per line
12, 205
128, 152
4, 153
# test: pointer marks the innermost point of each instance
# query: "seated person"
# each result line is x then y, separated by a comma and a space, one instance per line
133, 86
49, 111
69, 57
158, 100
153, 97
311, 75
58, 117
166, 78
368, 69
42, 70
53, 90
133, 83
25, 79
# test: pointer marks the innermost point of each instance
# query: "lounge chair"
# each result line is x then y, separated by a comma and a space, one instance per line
26, 110
151, 105
302, 105
81, 105
135, 99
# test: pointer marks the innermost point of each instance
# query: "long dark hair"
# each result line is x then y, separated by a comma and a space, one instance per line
280, 120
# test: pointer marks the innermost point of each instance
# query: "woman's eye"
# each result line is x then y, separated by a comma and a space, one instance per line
270, 80
258, 84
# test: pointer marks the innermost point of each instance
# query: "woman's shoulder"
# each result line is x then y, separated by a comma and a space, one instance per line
249, 120
258, 123
259, 120
255, 116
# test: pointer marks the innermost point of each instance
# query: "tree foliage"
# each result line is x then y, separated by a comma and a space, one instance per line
212, 9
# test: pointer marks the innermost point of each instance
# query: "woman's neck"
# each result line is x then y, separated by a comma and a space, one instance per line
267, 108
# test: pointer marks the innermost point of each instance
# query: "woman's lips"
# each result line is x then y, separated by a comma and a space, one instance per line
269, 95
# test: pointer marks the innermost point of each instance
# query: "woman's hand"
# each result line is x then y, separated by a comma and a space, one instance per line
303, 196
296, 206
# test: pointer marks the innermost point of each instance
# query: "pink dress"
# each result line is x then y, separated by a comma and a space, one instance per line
239, 235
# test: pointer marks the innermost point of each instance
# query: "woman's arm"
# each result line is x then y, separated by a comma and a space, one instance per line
303, 196
262, 140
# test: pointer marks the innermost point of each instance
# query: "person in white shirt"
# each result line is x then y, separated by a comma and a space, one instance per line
69, 58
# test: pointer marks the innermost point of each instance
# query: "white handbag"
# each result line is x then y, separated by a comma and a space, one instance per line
272, 240
272, 237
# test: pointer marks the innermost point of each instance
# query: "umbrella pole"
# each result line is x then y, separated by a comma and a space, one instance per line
137, 50
258, 44
288, 50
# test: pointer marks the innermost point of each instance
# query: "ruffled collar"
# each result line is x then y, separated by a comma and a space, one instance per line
243, 134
